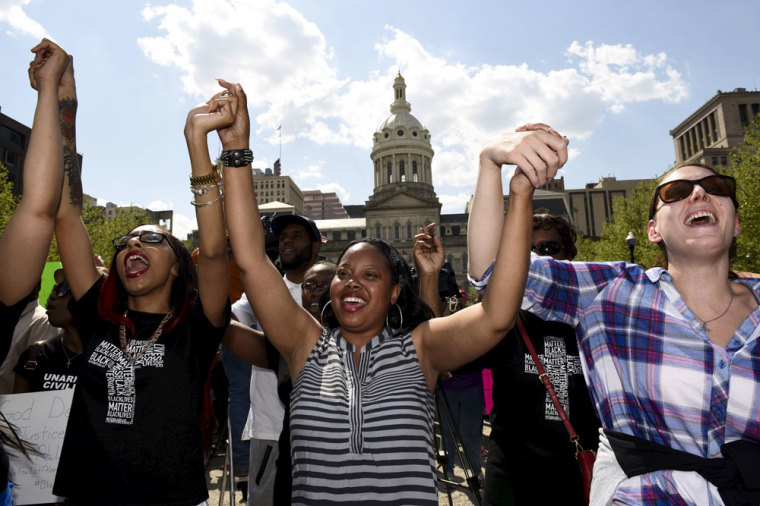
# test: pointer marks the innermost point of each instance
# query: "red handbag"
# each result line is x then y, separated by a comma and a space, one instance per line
585, 458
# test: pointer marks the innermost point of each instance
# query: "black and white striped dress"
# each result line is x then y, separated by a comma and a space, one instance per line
362, 434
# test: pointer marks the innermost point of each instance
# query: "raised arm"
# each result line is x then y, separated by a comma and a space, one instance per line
487, 212
290, 328
25, 243
213, 269
70, 232
428, 260
450, 342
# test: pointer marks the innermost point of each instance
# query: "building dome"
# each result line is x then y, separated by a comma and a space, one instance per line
401, 152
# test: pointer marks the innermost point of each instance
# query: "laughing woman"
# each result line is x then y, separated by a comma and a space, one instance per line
362, 401
671, 356
149, 336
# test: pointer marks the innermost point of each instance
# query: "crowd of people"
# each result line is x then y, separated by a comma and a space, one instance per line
657, 368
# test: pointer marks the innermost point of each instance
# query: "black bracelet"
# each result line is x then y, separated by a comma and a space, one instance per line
237, 157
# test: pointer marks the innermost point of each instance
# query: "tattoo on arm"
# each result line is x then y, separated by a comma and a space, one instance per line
71, 167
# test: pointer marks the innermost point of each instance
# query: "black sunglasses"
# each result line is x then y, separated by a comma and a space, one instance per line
546, 248
62, 289
146, 236
315, 288
679, 189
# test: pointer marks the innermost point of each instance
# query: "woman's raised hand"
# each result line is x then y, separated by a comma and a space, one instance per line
49, 64
537, 150
219, 112
428, 251
236, 135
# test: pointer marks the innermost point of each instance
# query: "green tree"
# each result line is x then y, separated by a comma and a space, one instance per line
630, 214
103, 229
745, 163
8, 201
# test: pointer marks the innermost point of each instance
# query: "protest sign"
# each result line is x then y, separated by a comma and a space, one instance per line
40, 419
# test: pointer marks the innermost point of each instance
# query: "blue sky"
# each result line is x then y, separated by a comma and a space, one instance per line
614, 77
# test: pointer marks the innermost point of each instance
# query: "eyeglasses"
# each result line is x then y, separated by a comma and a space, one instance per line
679, 189
146, 236
315, 288
61, 289
546, 248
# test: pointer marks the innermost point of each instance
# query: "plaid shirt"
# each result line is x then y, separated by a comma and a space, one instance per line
652, 371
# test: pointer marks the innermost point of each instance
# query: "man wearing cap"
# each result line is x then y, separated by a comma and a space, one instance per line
299, 242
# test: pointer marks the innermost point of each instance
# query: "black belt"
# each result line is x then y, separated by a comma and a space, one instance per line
736, 474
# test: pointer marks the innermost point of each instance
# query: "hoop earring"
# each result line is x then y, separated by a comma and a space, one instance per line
322, 314
401, 316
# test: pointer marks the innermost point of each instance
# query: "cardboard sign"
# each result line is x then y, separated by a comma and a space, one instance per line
40, 419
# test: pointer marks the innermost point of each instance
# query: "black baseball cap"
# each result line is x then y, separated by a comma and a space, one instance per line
280, 222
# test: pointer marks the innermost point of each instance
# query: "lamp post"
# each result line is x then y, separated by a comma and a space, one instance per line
630, 240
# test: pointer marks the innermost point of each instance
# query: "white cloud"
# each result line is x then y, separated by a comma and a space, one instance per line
12, 13
313, 171
454, 203
183, 225
286, 67
159, 205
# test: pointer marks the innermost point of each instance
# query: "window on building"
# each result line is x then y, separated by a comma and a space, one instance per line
11, 135
714, 161
10, 159
455, 229
464, 262
714, 127
700, 137
336, 235
414, 171
378, 233
409, 231
724, 161
351, 235
743, 117
755, 109
396, 232
390, 172
364, 233
401, 171
443, 230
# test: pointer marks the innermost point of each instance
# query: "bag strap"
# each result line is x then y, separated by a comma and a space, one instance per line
544, 378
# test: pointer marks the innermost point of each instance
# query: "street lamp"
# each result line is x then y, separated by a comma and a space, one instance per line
630, 240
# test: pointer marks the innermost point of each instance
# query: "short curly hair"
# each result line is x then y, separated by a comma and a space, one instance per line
562, 226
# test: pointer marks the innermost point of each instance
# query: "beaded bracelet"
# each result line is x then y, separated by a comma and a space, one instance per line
203, 189
236, 157
204, 204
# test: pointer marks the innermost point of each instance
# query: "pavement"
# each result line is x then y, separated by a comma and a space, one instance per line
452, 493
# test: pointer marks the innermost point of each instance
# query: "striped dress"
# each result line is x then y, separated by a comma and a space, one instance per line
362, 434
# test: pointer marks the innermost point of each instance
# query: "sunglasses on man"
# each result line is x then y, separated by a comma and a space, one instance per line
546, 248
679, 189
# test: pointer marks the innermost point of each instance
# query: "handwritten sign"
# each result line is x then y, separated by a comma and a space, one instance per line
40, 419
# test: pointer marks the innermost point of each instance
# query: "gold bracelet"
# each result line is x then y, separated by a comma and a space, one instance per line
206, 179
204, 204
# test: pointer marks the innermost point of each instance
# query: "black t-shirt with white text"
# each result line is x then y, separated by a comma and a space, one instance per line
524, 421
134, 434
55, 368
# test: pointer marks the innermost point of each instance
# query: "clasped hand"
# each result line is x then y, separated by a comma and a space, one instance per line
537, 150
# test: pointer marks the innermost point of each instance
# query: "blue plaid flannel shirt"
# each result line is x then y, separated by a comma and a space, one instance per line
652, 371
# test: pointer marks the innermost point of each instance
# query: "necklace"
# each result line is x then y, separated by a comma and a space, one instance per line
705, 322
153, 339
69, 358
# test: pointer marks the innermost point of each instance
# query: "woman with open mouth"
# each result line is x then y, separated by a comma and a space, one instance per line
670, 354
148, 336
363, 376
